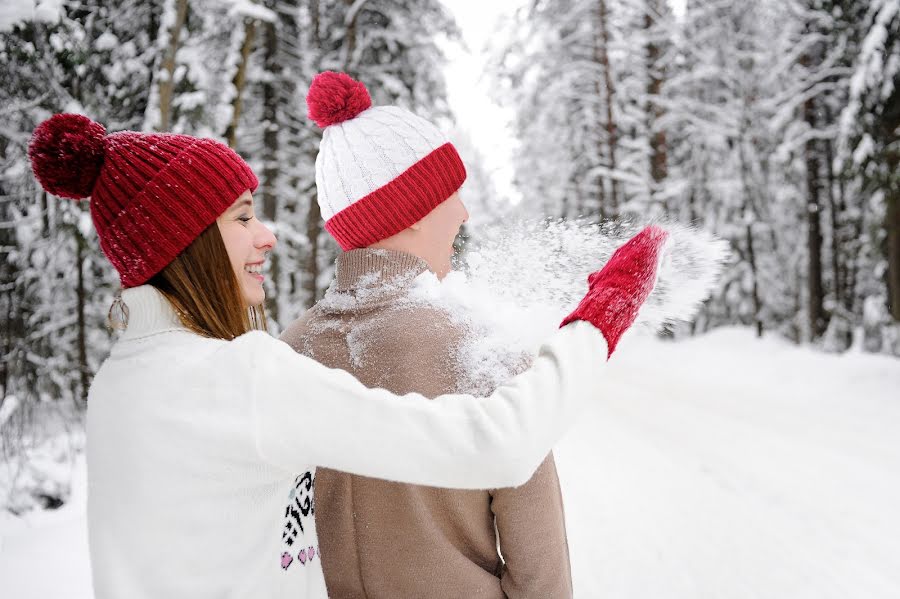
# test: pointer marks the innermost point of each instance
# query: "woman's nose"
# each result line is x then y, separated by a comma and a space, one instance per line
265, 238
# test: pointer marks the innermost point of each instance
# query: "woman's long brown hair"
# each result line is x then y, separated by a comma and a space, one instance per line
206, 295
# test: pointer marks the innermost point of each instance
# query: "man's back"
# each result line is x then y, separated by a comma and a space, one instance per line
384, 540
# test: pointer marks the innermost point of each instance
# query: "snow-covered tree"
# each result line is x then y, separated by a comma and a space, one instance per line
773, 124
869, 152
236, 70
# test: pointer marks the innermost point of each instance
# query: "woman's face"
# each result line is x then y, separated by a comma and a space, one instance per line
247, 241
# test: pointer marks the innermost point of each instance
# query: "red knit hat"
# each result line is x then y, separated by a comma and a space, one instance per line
151, 194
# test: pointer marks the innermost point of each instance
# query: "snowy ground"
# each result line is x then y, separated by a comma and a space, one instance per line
718, 467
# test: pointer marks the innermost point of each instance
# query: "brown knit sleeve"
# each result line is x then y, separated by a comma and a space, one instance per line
532, 533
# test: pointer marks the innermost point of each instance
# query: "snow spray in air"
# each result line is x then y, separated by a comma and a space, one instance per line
514, 284
529, 275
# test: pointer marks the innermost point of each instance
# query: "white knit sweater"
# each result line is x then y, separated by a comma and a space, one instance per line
202, 452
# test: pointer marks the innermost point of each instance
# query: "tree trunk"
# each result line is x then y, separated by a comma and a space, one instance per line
751, 257
889, 123
836, 209
167, 83
601, 57
7, 344
815, 291
809, 62
271, 166
45, 214
240, 78
81, 301
892, 224
311, 267
654, 111
349, 43
750, 215
10, 274
310, 282
316, 23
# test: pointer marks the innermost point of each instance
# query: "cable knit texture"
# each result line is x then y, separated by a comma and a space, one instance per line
151, 194
401, 202
395, 164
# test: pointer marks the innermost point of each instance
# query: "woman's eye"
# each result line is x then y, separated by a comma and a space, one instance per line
245, 219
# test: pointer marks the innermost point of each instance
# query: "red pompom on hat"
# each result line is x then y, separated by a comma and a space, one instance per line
151, 194
336, 97
66, 153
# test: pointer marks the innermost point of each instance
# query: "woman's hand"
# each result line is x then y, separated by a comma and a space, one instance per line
617, 291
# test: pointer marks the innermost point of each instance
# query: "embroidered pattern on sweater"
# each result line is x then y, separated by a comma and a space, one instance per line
304, 555
300, 508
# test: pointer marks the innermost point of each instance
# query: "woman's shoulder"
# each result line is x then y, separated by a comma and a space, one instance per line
261, 352
184, 349
258, 344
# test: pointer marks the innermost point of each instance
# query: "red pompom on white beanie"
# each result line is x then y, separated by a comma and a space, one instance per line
379, 169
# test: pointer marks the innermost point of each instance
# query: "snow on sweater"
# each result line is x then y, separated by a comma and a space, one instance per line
384, 540
201, 452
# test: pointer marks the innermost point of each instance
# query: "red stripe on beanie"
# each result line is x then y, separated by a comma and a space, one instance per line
402, 202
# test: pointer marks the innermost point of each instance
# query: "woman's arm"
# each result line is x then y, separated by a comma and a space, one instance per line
306, 414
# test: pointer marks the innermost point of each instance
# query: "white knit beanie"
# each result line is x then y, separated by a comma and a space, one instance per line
379, 170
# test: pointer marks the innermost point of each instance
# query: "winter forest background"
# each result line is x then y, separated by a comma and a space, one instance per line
773, 124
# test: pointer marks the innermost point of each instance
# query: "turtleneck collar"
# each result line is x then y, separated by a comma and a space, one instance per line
374, 267
149, 312
367, 278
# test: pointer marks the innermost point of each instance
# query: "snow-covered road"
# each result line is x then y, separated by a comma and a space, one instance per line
732, 468
719, 467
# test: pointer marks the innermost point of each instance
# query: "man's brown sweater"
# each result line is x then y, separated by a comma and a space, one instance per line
384, 540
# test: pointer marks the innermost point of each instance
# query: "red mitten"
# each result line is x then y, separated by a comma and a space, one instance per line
616, 292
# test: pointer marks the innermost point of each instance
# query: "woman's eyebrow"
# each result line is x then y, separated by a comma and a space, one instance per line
244, 202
